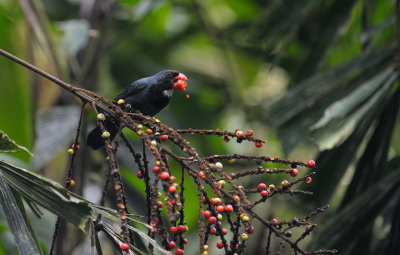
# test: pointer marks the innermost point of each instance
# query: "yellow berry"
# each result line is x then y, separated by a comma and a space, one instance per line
71, 151
244, 236
271, 186
232, 160
121, 101
219, 165
72, 183
154, 143
245, 218
105, 134
158, 163
205, 247
285, 183
217, 201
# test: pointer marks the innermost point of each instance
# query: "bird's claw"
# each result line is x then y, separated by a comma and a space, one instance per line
128, 107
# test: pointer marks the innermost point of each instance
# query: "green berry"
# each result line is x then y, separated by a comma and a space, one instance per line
105, 134
101, 117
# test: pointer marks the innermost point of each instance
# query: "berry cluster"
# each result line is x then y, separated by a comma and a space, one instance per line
224, 207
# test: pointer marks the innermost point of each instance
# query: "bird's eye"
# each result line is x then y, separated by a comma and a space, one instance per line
169, 74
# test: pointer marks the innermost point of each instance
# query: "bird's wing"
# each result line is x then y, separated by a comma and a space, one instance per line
133, 89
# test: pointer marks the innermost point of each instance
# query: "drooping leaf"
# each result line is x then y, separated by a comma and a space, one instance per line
324, 85
109, 220
8, 145
342, 118
309, 100
16, 221
47, 193
372, 163
358, 215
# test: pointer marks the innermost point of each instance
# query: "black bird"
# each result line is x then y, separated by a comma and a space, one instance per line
147, 95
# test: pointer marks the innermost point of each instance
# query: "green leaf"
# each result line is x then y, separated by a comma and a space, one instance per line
47, 193
16, 221
335, 18
17, 94
8, 145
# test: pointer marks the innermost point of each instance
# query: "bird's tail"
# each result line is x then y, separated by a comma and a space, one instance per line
94, 138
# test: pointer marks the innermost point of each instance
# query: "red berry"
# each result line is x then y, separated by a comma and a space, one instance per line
149, 131
220, 208
213, 231
228, 208
156, 169
139, 175
311, 163
172, 245
207, 214
185, 241
259, 144
202, 175
179, 252
181, 229
173, 230
172, 189
224, 231
163, 138
212, 200
212, 220
274, 221
164, 176
250, 230
160, 204
262, 186
239, 134
249, 132
264, 193
294, 172
308, 180
220, 245
124, 247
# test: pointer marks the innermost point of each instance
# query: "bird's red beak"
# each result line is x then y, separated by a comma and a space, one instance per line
180, 82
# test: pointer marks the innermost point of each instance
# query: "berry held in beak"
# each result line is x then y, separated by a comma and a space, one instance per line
180, 82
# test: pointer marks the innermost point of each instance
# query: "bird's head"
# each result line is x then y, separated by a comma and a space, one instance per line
174, 79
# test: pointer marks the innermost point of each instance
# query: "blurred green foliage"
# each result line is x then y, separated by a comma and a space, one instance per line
315, 78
